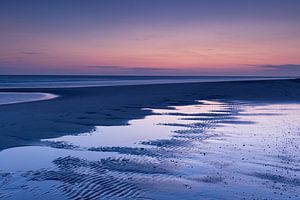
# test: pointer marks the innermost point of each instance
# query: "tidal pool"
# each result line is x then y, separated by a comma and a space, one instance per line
211, 150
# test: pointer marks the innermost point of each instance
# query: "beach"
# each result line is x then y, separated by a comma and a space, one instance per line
78, 110
150, 100
115, 142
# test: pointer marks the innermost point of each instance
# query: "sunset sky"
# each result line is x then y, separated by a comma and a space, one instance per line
150, 37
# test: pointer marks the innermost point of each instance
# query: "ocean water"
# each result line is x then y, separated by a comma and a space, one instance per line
211, 150
44, 81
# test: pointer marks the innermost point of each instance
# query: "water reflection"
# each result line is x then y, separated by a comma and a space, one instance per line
212, 150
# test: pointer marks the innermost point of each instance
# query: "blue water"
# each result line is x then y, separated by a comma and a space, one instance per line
49, 81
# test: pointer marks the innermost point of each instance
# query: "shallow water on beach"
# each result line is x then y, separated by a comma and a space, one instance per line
211, 150
20, 97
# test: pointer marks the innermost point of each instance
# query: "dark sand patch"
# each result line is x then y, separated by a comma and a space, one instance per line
98, 183
208, 179
139, 151
277, 178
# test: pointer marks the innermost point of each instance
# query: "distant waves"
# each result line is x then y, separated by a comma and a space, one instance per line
51, 81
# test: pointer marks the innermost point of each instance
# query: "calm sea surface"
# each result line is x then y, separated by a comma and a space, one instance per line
84, 81
91, 81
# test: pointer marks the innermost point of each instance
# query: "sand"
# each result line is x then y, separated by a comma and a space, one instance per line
239, 142
78, 110
209, 150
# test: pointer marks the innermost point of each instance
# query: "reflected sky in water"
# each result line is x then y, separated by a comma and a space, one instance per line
210, 150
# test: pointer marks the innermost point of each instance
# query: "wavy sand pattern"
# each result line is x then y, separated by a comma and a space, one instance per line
209, 151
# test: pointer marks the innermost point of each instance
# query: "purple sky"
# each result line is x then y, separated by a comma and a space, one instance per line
143, 37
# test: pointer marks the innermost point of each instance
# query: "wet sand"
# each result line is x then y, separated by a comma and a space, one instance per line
233, 140
79, 110
19, 97
209, 150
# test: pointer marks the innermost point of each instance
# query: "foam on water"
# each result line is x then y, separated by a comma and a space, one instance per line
212, 150
20, 97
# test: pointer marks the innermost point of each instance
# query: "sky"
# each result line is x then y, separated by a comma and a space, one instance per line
150, 37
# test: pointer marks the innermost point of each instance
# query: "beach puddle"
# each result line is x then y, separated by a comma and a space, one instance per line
210, 150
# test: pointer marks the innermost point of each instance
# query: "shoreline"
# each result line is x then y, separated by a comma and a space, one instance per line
24, 97
192, 151
79, 110
11, 94
85, 82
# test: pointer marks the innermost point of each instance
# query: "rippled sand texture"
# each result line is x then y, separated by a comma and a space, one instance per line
212, 150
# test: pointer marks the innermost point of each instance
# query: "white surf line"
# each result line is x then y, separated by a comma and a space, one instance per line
21, 97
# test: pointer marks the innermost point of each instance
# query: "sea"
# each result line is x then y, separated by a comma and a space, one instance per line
68, 81
216, 149
54, 81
